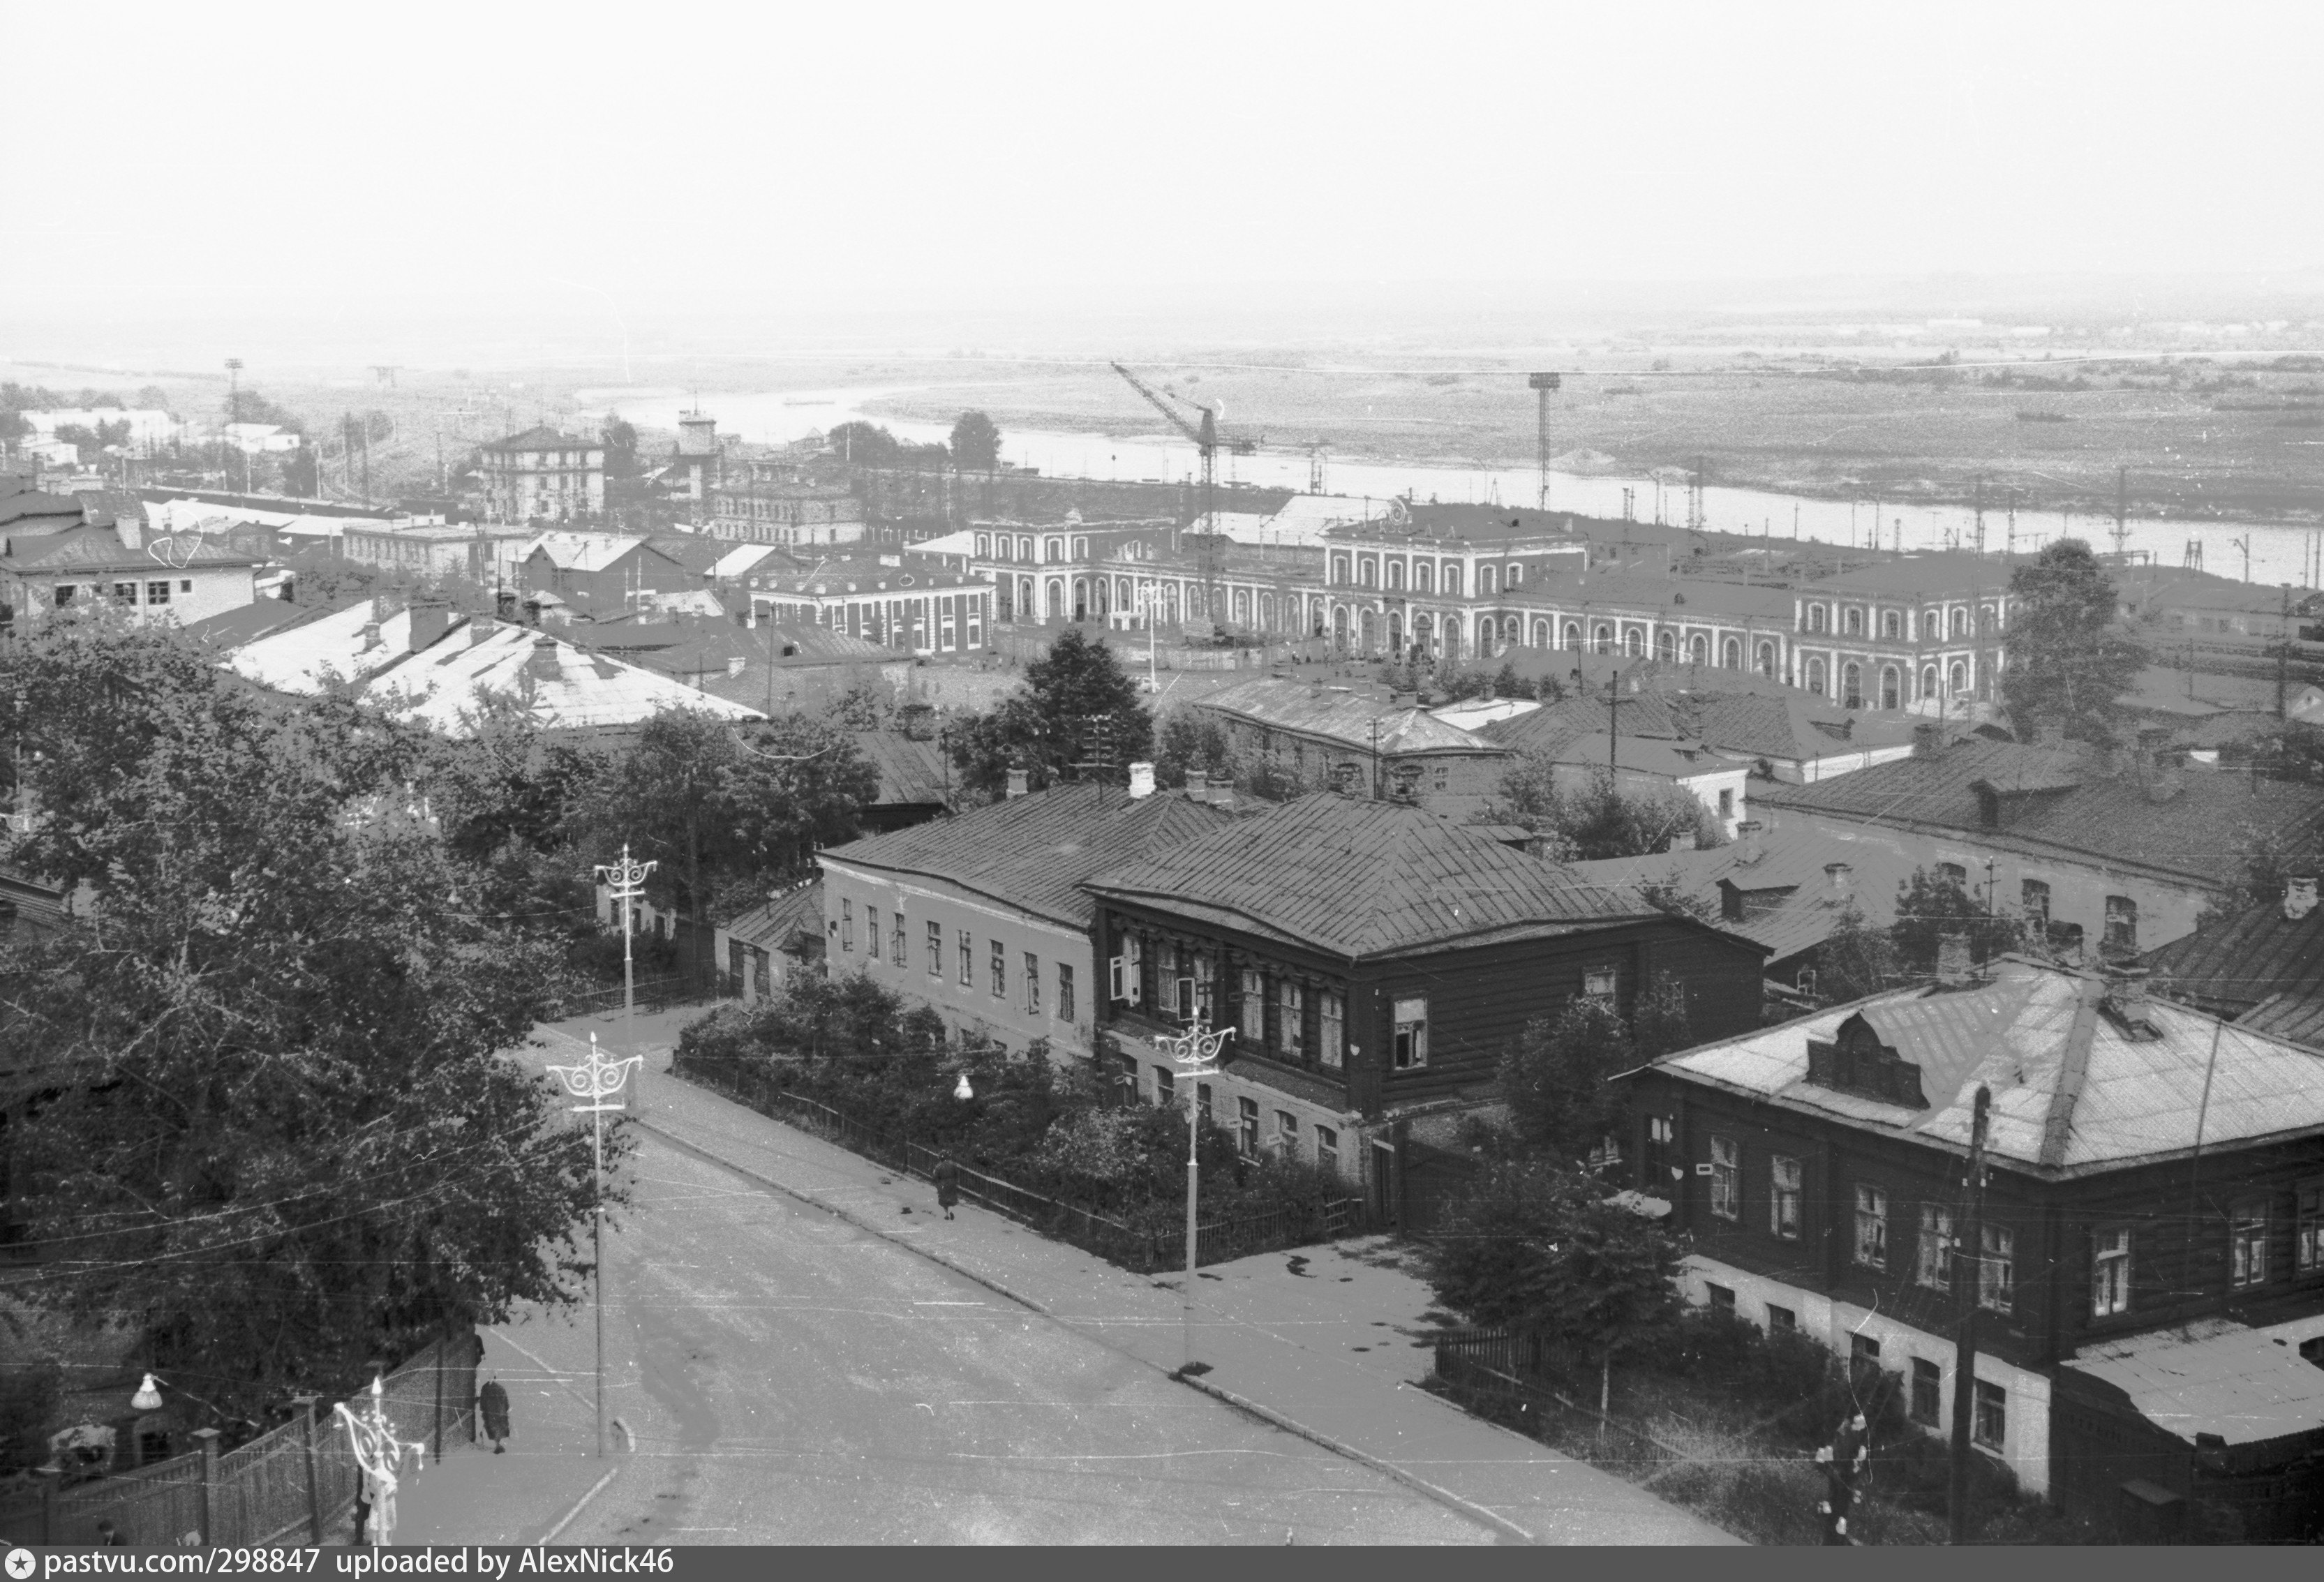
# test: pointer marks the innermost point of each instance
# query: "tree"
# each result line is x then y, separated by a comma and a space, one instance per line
299, 472
975, 443
1855, 959
1553, 1079
2070, 659
1534, 1246
621, 448
1077, 704
278, 1135
1659, 1021
866, 444
1186, 739
1598, 819
1932, 905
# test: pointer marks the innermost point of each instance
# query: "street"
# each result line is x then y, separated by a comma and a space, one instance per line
791, 1379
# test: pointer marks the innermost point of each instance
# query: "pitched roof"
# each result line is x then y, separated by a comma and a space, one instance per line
858, 574
779, 922
2073, 1091
1034, 852
91, 549
1294, 871
29, 509
2066, 796
1790, 904
1609, 594
2237, 962
540, 436
585, 551
2214, 1376
911, 771
740, 558
693, 551
1937, 571
1553, 725
1344, 716
232, 629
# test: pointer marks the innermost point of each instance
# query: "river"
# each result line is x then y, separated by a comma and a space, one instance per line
2260, 552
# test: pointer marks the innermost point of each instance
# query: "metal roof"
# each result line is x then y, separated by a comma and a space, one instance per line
2212, 1376
1348, 718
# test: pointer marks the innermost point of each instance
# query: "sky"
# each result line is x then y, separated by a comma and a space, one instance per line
333, 165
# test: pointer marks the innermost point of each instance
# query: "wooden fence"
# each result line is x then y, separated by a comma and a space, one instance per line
1142, 1249
295, 1484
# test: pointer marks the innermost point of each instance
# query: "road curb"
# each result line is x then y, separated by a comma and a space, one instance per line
1267, 1414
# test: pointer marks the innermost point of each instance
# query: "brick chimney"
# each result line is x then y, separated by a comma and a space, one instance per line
430, 620
1682, 841
2127, 1003
541, 663
1141, 781
1928, 739
1953, 966
2299, 896
1019, 782
1222, 792
1747, 836
1198, 786
1839, 878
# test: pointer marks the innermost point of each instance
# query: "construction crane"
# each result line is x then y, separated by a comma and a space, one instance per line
1207, 443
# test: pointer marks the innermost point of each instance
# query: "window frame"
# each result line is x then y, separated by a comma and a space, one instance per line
1064, 992
1408, 1043
1992, 1407
2110, 1270
2308, 1229
846, 923
1786, 1199
2247, 1249
1245, 1125
1330, 1028
896, 942
967, 959
1327, 1148
158, 593
1934, 1264
1997, 1268
1032, 982
935, 950
1726, 1178
1929, 1376
1871, 1225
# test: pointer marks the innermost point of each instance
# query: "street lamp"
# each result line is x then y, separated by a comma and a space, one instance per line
963, 1091
628, 882
1195, 1053
598, 1081
1149, 609
149, 1395
379, 1453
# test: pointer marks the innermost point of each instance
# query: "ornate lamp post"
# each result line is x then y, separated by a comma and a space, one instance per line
597, 1080
380, 1454
1196, 1053
627, 880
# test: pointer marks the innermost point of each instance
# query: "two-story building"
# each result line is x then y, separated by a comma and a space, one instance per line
1924, 632
490, 555
777, 503
1337, 738
600, 574
2112, 849
891, 599
981, 917
2148, 1275
543, 475
1373, 960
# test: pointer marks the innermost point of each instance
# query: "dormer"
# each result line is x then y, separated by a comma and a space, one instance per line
2000, 806
1737, 903
1855, 1060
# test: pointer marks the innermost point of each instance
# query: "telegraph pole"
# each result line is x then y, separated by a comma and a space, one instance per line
2122, 511
1967, 1276
2284, 654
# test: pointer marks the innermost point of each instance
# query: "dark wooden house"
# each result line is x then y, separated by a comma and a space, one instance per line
2151, 1272
1373, 960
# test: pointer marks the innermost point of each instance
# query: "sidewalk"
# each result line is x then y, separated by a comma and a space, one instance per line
1327, 1341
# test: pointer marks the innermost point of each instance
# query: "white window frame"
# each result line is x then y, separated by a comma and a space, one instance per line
1410, 1039
1787, 1190
2110, 1272
1726, 1178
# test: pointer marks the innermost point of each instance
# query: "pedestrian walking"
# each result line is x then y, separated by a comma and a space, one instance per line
493, 1406
947, 1175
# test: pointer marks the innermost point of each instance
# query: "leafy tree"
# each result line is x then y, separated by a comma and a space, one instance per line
621, 448
975, 443
866, 444
279, 1136
1598, 819
1665, 893
1932, 905
1659, 1021
1077, 702
1554, 1078
152, 398
299, 472
2068, 656
1855, 960
1534, 1246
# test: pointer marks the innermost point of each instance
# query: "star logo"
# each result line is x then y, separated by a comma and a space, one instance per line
21, 1564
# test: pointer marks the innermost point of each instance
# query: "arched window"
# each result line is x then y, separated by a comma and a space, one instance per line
1958, 679
1985, 618
1053, 550
1424, 633
1767, 659
1025, 547
1395, 576
1451, 582
1541, 634
1960, 624
984, 545
1368, 572
1634, 642
1242, 606
1665, 645
1851, 685
1512, 632
1815, 617
1339, 626
1025, 610
1573, 635
1853, 622
1266, 612
1892, 624
1605, 638
1485, 583
1698, 649
1395, 632
1080, 598
1730, 654
1928, 682
1932, 626
1000, 546
1369, 620
1515, 575
1423, 577
1340, 569
1056, 596
1080, 549
1816, 677
1891, 684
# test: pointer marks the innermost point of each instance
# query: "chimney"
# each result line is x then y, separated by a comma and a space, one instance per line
479, 628
1928, 739
1222, 792
1141, 780
370, 637
1838, 878
1681, 842
1747, 833
1953, 969
131, 532
2126, 1001
2299, 896
541, 663
1018, 782
1198, 786
430, 620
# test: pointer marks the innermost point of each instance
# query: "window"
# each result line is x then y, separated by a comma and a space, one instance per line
1726, 1178
1726, 803
1871, 1226
124, 592
2033, 899
1251, 1023
1928, 1388
1332, 1026
896, 941
2109, 1273
1206, 990
2307, 1250
1000, 970
1516, 577
1936, 1261
1816, 617
1247, 1127
967, 960
1854, 622
1889, 626
935, 950
1290, 1019
1863, 1354
846, 926
1203, 1099
1996, 1270
1600, 983
1722, 1299
1287, 1132
1992, 1424
1064, 992
2247, 1244
1953, 874
871, 932
1784, 1197
1327, 1150
1411, 1034
2121, 924
1166, 1087
65, 592
186, 585
1782, 1319
1032, 984
157, 593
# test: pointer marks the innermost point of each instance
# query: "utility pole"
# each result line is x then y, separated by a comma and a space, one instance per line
1978, 509
2284, 654
1969, 1268
2244, 544
1543, 385
2122, 512
1613, 724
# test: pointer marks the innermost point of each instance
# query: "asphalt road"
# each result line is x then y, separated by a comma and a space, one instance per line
791, 1379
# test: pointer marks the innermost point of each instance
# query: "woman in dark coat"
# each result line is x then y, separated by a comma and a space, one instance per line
947, 1175
492, 1405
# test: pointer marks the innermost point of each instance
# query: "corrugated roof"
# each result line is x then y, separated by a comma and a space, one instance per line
540, 436
2134, 1100
1035, 850
1553, 725
582, 551
1367, 878
2105, 814
1795, 907
1346, 717
2239, 960
2212, 1376
911, 771
92, 548
778, 923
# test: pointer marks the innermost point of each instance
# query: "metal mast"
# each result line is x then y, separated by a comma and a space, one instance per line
1207, 443
1542, 385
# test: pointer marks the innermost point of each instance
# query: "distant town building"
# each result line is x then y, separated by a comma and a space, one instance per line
492, 556
777, 504
912, 608
1328, 738
595, 574
178, 578
543, 475
1924, 632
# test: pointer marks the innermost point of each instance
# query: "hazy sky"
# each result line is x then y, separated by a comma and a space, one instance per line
177, 160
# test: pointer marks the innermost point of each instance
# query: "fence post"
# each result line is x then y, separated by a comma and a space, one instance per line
305, 1405
207, 1438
